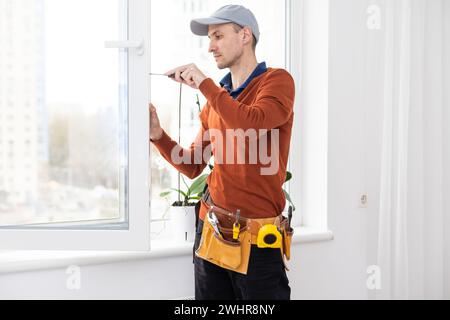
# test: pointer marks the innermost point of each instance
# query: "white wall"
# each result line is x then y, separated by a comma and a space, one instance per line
330, 270
446, 115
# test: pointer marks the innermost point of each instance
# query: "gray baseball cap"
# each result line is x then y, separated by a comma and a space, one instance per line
230, 13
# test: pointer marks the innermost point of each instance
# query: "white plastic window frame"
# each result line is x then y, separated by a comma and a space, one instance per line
308, 64
137, 236
294, 30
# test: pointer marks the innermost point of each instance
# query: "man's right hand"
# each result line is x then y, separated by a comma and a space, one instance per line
155, 128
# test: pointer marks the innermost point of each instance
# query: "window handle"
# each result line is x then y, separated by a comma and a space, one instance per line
138, 45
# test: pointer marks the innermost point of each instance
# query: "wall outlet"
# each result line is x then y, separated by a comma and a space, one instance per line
363, 200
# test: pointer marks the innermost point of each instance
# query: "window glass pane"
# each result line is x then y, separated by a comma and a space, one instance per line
63, 107
172, 45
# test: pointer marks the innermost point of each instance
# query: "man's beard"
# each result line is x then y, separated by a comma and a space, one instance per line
227, 64
223, 65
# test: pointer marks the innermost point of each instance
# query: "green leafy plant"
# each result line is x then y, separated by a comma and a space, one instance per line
192, 192
286, 194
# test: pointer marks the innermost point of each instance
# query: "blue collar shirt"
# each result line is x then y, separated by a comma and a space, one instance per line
227, 83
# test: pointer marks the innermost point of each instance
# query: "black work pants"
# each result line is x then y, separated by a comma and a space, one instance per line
266, 278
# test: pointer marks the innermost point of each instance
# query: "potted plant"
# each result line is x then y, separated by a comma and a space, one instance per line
182, 211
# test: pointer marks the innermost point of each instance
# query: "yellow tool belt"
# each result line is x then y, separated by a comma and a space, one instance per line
234, 254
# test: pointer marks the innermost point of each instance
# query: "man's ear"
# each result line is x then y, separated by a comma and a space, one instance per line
247, 34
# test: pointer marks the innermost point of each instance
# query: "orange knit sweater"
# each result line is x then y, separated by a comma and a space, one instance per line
266, 103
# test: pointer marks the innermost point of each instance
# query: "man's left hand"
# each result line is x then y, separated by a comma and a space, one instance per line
188, 74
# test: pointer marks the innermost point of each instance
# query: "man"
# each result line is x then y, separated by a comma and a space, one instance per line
252, 99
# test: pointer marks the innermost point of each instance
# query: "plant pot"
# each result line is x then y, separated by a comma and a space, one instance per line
183, 223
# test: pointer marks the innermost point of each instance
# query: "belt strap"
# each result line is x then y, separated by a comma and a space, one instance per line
252, 225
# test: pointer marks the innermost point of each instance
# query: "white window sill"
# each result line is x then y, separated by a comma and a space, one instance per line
19, 261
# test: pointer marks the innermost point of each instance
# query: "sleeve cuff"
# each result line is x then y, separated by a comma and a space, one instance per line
161, 141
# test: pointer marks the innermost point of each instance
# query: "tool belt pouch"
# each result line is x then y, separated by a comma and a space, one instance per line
231, 255
287, 239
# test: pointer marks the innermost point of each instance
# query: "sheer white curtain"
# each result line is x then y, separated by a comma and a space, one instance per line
413, 245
